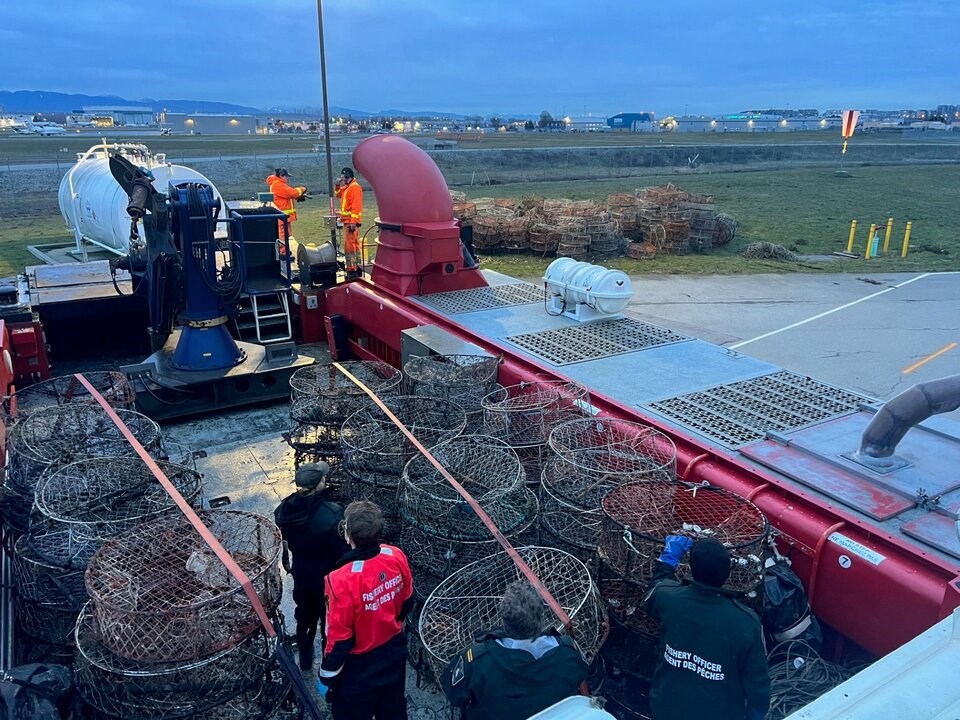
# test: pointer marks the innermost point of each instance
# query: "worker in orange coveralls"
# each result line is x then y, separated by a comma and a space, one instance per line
369, 595
351, 211
285, 198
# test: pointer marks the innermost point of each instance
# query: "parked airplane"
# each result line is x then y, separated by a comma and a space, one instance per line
40, 129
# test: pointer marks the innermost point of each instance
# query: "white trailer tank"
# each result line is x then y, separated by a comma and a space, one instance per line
95, 206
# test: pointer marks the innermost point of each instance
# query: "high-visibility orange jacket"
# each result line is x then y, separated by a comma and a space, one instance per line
351, 202
284, 195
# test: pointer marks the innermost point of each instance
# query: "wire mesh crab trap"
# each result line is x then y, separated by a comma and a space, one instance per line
433, 558
62, 434
160, 594
375, 450
569, 526
638, 517
67, 389
461, 379
468, 602
126, 688
524, 415
487, 468
608, 452
83, 504
323, 394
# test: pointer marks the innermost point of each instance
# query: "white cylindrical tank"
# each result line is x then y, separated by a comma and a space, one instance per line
606, 291
95, 206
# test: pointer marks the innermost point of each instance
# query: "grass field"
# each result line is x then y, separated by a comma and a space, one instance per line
15, 149
807, 209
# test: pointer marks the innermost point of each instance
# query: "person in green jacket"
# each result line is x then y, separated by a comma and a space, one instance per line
711, 660
517, 670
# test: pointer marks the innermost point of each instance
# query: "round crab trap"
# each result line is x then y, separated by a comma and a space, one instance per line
524, 415
126, 688
461, 379
638, 517
37, 580
62, 434
82, 504
159, 593
574, 528
624, 600
375, 451
309, 438
614, 450
49, 625
488, 469
323, 394
66, 389
433, 558
468, 602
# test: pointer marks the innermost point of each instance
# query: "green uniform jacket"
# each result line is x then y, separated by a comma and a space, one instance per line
711, 661
490, 682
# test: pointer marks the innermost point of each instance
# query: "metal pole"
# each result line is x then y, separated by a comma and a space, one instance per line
326, 124
886, 239
906, 239
853, 232
867, 253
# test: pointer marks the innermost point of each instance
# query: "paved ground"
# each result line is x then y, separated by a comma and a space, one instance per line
876, 334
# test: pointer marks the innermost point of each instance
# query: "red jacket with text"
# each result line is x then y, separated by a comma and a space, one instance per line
368, 597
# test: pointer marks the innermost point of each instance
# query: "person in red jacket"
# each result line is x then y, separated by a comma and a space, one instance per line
369, 594
286, 199
351, 214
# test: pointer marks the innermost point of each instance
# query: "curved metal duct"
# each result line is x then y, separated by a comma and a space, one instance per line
406, 181
910, 407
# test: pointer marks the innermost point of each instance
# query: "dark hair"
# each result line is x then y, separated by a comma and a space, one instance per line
281, 172
364, 523
347, 171
521, 611
710, 562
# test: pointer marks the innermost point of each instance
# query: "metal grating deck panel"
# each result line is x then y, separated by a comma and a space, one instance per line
484, 298
744, 412
600, 339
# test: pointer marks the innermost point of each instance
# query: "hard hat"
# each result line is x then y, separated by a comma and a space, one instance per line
281, 172
348, 172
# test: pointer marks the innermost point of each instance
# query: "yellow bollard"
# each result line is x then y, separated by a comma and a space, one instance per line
886, 238
873, 229
906, 239
853, 231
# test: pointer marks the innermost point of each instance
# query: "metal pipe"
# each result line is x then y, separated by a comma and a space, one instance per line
906, 239
913, 405
886, 238
853, 232
326, 125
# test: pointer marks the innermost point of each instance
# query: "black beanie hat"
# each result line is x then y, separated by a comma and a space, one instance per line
710, 562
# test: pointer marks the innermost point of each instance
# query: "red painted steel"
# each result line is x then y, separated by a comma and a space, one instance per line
418, 250
879, 606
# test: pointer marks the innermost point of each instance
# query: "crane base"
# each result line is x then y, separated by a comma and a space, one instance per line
163, 392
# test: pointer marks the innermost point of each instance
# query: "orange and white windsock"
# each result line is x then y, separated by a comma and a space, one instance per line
850, 118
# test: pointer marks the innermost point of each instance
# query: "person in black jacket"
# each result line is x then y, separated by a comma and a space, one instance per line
711, 660
310, 526
516, 671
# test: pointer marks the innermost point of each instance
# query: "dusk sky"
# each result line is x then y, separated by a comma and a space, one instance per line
493, 56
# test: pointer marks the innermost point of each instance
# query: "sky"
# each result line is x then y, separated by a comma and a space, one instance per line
493, 57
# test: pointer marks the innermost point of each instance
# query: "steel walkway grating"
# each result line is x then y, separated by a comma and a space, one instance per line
744, 412
484, 298
593, 341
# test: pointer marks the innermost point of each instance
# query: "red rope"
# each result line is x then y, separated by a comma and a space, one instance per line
491, 526
185, 508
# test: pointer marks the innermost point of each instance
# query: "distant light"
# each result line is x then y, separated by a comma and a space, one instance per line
823, 123
713, 123
189, 121
750, 123
234, 121
783, 123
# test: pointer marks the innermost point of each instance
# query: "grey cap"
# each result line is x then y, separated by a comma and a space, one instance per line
311, 474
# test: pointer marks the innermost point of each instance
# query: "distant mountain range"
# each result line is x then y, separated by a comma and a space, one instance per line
40, 101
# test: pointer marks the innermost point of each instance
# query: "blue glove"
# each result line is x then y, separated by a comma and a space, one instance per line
674, 548
325, 691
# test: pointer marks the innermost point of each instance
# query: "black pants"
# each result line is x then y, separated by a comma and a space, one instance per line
310, 611
386, 701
